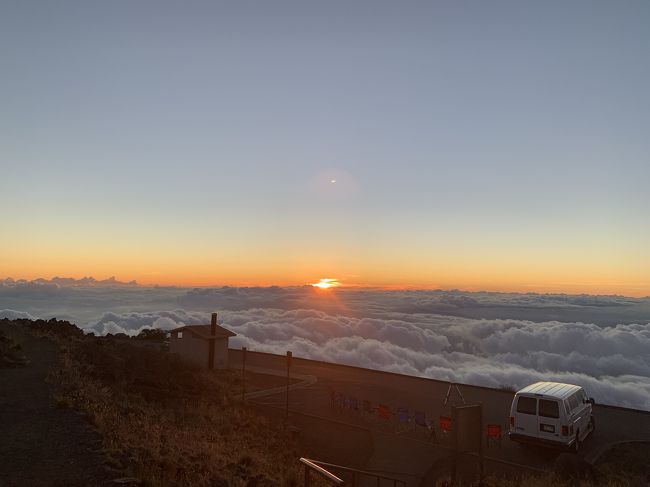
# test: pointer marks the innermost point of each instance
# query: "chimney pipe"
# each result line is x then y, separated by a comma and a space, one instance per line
213, 325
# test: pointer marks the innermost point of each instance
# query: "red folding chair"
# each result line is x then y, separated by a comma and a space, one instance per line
493, 434
445, 424
385, 412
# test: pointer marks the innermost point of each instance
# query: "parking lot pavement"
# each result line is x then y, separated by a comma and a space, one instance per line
428, 396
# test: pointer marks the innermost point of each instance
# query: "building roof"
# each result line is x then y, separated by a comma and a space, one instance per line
203, 331
553, 389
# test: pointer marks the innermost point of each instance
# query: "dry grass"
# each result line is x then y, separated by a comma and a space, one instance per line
168, 423
553, 481
627, 462
626, 465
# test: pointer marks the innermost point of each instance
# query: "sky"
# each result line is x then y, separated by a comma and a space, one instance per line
474, 145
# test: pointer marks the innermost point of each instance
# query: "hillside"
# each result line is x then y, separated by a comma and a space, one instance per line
130, 411
163, 421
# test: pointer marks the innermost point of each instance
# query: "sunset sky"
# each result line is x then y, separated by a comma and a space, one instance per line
473, 145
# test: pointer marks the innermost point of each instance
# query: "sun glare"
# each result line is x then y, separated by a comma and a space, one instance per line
327, 283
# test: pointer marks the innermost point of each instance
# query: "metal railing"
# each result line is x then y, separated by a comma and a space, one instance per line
311, 466
353, 474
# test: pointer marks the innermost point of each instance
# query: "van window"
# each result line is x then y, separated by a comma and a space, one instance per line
549, 409
573, 401
567, 408
582, 395
527, 405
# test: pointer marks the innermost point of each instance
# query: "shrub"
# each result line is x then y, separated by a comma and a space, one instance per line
152, 334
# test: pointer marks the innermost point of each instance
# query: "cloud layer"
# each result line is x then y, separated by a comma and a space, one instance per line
492, 339
613, 363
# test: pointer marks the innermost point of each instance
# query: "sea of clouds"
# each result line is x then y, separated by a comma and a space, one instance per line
491, 339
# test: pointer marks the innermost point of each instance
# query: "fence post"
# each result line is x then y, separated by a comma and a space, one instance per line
481, 459
243, 374
454, 442
288, 366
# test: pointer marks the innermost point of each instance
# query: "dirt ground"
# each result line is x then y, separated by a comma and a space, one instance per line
40, 443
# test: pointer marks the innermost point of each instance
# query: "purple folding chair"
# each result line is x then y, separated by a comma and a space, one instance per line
420, 418
403, 415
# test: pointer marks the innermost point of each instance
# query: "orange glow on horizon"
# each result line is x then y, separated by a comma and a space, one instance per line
595, 287
172, 265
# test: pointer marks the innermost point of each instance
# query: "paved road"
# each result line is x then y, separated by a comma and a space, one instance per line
42, 445
613, 424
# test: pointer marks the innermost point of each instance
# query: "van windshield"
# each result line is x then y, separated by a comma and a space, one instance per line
526, 405
549, 409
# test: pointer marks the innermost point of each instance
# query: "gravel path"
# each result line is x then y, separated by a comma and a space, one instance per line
40, 444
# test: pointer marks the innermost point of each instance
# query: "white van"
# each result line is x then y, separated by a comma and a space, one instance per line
553, 414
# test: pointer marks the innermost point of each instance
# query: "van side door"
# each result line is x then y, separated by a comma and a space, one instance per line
577, 413
585, 412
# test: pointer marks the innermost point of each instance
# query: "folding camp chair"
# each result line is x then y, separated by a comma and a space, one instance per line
493, 434
339, 401
333, 399
354, 405
445, 426
367, 410
404, 419
431, 426
420, 421
385, 413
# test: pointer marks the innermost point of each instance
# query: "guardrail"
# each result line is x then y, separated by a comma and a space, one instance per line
311, 466
353, 473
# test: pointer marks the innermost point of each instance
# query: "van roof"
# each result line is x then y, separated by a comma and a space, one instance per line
552, 389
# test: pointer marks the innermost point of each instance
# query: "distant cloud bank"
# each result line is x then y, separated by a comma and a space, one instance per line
57, 282
492, 339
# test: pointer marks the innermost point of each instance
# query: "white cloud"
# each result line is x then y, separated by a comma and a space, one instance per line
492, 339
10, 314
613, 363
133, 323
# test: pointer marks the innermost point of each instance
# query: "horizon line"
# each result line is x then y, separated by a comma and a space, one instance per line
360, 286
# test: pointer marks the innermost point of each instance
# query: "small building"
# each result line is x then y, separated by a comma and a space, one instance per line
205, 345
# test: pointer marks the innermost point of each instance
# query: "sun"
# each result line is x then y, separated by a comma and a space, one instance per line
327, 283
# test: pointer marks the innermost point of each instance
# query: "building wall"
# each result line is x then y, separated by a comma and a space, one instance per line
196, 349
190, 348
221, 353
